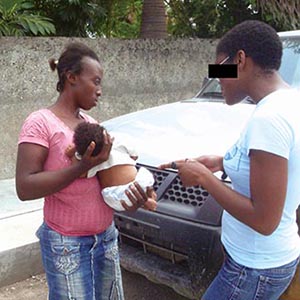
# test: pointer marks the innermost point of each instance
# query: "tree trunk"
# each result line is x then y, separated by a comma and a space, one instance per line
154, 19
283, 11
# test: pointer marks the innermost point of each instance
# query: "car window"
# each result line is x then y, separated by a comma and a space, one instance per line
212, 91
290, 64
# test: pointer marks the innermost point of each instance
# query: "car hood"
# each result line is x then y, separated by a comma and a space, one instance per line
181, 129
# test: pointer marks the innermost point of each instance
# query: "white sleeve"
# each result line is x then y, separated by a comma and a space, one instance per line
270, 133
93, 171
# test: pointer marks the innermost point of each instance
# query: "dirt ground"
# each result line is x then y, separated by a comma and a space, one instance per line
136, 287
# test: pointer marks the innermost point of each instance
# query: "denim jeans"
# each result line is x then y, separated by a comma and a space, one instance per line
81, 268
236, 282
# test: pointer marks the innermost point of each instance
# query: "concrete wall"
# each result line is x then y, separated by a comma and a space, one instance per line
138, 74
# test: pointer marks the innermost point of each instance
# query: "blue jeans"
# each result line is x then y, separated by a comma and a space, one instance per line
236, 282
81, 268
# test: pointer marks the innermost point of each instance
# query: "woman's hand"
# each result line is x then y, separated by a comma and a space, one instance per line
90, 161
139, 198
213, 162
191, 171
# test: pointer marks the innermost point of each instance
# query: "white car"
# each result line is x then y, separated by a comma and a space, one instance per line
179, 244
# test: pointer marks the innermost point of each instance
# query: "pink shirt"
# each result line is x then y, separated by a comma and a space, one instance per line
78, 209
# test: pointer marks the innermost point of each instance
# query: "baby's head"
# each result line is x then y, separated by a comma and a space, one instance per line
85, 133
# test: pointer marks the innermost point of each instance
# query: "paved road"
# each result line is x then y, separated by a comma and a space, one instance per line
136, 287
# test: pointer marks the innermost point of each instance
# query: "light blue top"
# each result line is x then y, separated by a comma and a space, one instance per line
274, 127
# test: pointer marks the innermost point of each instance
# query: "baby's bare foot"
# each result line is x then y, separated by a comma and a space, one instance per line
150, 204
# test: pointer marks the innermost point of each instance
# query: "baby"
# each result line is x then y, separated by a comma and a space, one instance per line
117, 173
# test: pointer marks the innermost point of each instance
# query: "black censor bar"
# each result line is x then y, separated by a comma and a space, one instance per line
222, 71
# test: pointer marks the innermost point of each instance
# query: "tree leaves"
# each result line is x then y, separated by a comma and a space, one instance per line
122, 19
17, 20
212, 18
37, 25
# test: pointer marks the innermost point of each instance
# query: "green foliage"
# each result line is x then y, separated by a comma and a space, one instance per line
71, 17
121, 19
212, 18
232, 12
17, 19
208, 18
108, 18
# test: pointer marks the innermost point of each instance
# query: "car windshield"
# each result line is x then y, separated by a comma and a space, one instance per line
290, 63
289, 70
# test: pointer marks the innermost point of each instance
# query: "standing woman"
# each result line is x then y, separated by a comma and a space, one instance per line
78, 237
259, 229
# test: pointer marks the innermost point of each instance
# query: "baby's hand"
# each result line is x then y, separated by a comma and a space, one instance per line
70, 151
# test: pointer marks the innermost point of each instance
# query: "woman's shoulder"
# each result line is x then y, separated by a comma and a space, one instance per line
35, 128
40, 120
40, 114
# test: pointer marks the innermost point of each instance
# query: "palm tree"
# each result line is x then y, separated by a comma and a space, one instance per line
154, 19
283, 11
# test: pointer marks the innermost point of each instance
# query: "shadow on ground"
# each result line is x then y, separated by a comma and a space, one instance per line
136, 287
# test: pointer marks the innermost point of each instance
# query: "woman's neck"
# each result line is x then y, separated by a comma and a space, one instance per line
266, 84
64, 108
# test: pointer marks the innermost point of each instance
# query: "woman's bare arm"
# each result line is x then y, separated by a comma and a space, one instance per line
33, 182
268, 184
